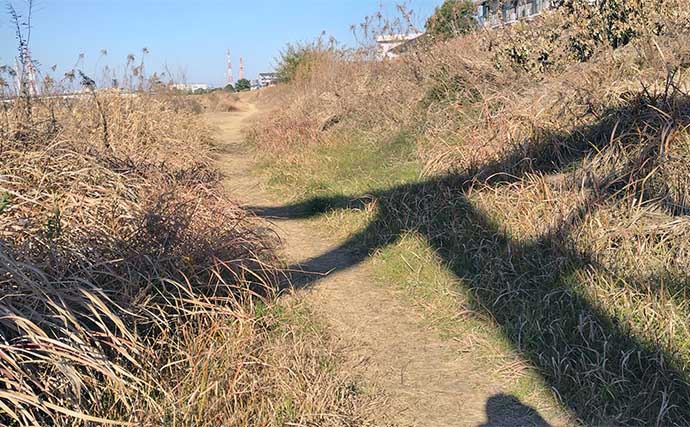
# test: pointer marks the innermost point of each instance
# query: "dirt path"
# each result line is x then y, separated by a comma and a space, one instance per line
430, 381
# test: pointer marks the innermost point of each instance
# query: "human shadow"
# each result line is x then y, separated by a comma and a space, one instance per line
601, 370
503, 410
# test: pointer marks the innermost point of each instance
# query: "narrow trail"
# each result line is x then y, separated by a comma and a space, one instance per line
430, 381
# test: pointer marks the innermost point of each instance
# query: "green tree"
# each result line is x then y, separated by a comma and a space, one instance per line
452, 18
293, 58
242, 85
229, 88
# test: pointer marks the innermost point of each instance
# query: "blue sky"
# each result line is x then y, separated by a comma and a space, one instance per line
191, 37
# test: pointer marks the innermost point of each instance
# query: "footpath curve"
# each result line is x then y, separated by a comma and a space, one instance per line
429, 381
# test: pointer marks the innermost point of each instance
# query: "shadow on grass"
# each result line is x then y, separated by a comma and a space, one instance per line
600, 369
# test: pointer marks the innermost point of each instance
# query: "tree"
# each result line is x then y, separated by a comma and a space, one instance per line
451, 19
242, 85
229, 88
292, 59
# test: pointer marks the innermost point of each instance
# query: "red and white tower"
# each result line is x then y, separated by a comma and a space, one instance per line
230, 79
241, 68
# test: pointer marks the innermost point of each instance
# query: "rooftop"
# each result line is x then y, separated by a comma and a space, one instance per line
389, 38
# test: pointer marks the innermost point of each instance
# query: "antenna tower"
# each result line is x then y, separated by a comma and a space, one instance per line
230, 80
241, 68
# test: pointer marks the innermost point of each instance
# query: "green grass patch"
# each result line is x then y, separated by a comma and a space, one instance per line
351, 164
417, 273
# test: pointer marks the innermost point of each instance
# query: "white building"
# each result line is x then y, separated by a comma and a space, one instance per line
267, 79
391, 45
190, 87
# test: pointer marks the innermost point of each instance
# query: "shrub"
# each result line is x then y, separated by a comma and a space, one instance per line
577, 29
243, 85
297, 59
452, 18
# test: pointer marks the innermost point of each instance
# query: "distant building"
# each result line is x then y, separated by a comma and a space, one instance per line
392, 45
493, 13
267, 79
191, 87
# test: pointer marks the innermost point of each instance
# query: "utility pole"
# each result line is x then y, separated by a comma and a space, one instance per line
241, 68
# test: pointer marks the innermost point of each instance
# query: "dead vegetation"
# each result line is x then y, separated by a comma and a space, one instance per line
220, 101
556, 158
134, 292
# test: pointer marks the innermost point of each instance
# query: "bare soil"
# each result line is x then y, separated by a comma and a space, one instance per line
429, 380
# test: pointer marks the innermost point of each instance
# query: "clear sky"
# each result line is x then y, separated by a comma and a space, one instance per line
191, 37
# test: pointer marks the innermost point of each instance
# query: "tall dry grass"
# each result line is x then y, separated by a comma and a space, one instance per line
134, 291
556, 162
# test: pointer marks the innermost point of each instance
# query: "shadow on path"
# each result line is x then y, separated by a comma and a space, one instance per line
601, 371
503, 410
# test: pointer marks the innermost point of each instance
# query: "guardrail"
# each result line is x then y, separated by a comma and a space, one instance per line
68, 96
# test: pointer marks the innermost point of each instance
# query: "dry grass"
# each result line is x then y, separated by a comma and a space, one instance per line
558, 194
133, 290
219, 101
